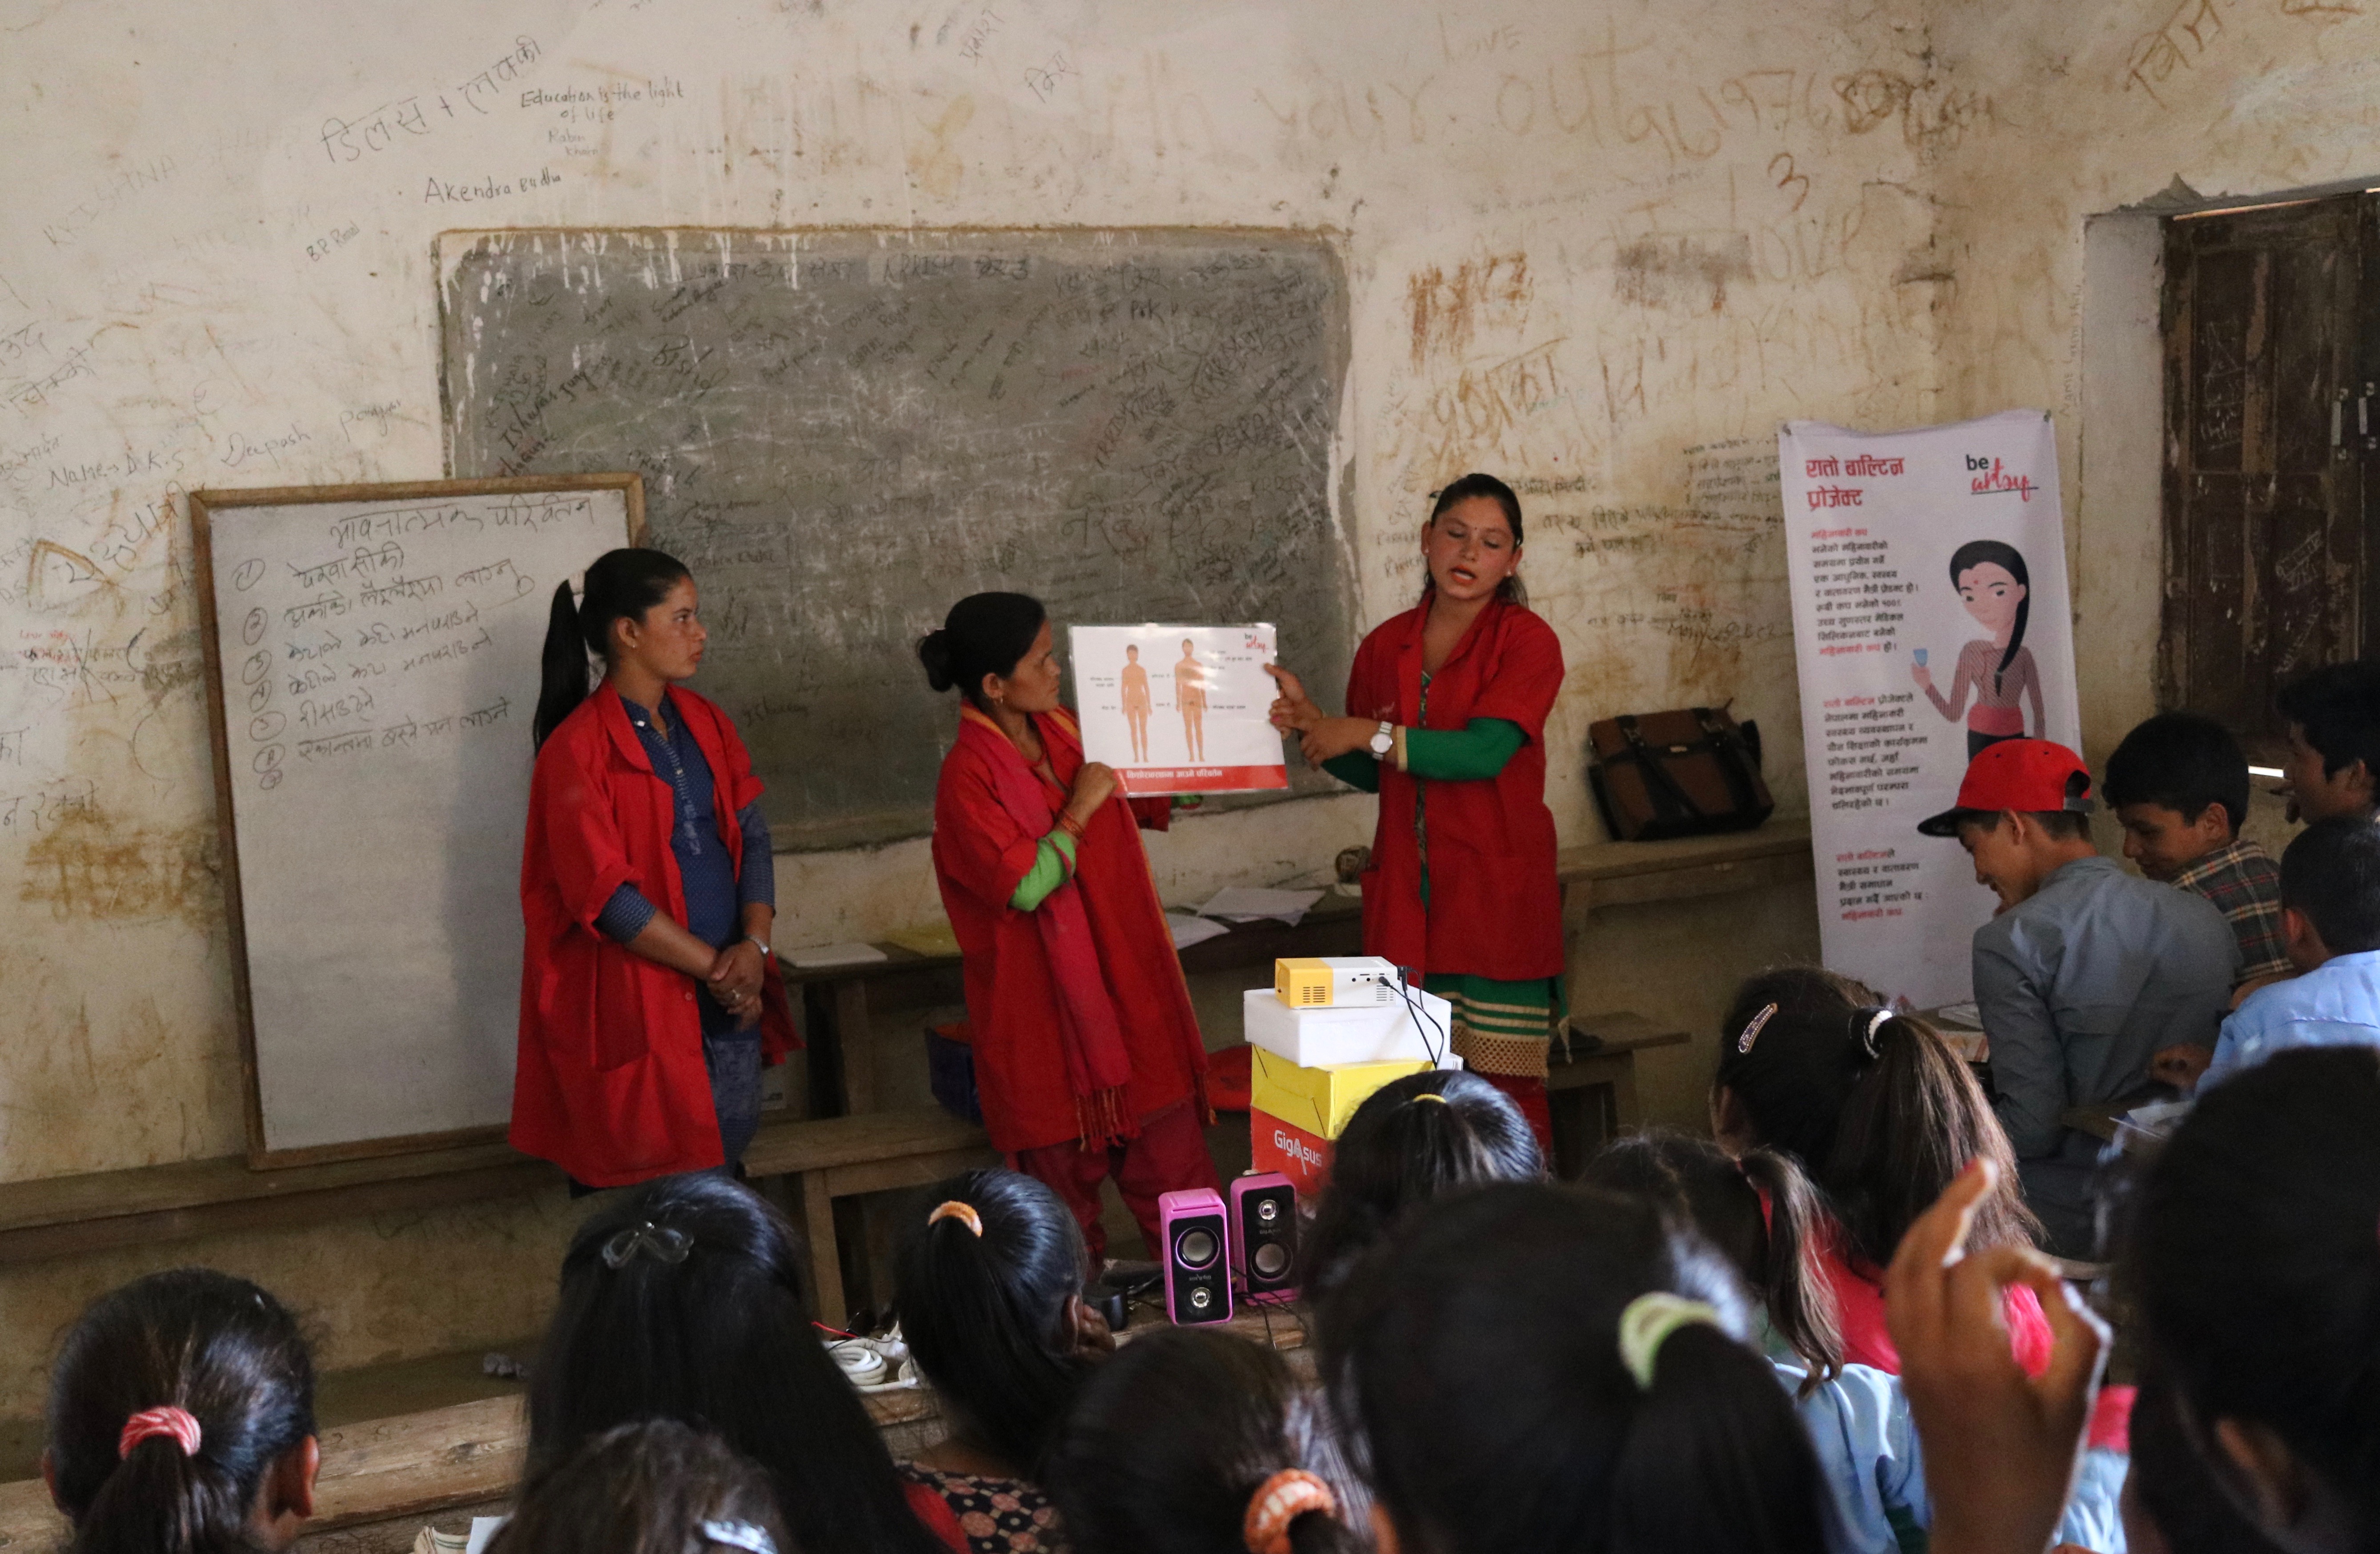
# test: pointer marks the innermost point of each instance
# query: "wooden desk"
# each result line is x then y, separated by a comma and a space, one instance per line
1631, 873
834, 998
1604, 1078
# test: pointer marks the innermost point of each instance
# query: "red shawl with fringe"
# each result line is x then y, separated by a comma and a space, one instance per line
1078, 1015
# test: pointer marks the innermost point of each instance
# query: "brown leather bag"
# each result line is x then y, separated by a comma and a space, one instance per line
1690, 773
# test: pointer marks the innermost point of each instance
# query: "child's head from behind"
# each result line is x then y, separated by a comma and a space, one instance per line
988, 1275
2179, 785
1412, 1140
1193, 1442
181, 1418
2330, 892
655, 1486
2253, 1260
1759, 1209
1538, 1368
1874, 1105
683, 1299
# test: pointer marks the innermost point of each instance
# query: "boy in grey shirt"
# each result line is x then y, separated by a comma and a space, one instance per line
2082, 976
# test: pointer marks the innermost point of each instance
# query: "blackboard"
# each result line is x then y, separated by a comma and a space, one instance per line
371, 659
843, 431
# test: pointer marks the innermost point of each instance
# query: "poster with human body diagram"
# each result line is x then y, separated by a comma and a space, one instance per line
1179, 709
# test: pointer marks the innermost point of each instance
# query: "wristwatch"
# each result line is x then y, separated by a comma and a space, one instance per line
1384, 739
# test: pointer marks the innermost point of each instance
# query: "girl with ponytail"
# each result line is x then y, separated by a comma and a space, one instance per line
1411, 1140
1882, 1114
1086, 1050
181, 1420
1196, 1441
650, 998
1538, 1369
987, 1277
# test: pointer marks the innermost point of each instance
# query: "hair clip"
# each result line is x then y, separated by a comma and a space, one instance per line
1280, 1501
1429, 1095
1647, 1323
740, 1534
963, 1212
1868, 1023
178, 1425
657, 1242
1752, 1031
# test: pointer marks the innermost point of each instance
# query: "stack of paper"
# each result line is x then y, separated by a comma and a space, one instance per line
1189, 928
1245, 903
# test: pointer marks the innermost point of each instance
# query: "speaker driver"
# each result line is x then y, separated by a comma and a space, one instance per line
1271, 1259
1196, 1248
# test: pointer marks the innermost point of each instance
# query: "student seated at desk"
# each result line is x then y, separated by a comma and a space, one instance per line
2179, 785
2330, 911
2082, 976
2332, 770
654, 1487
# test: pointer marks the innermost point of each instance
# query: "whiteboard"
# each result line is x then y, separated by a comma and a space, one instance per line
373, 656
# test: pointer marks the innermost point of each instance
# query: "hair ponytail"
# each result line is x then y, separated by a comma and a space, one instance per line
1410, 1141
620, 584
1175, 1439
1760, 1210
1874, 1105
214, 1346
1481, 1349
983, 1293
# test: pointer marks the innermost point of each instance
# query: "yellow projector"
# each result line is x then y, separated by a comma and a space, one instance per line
1334, 981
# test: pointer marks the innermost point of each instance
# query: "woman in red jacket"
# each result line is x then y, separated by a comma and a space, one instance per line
1447, 707
1086, 1053
649, 1000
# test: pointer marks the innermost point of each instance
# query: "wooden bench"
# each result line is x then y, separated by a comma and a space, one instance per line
1593, 1092
842, 1156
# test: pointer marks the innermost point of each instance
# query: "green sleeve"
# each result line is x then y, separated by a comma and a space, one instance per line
1357, 769
1466, 755
1053, 865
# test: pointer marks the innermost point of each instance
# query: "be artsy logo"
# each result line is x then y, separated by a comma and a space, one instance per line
1996, 479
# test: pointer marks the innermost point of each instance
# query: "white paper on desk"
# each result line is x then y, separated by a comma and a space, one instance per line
1190, 929
812, 956
1966, 1016
1247, 903
483, 1531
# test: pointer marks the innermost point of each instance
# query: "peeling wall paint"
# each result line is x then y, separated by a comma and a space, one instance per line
1583, 239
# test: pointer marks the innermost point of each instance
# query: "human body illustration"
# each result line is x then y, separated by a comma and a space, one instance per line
1998, 670
1190, 695
1136, 704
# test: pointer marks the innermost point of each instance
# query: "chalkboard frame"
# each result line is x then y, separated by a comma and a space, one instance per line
203, 507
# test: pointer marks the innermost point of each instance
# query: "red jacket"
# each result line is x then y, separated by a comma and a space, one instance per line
1494, 907
980, 856
609, 1082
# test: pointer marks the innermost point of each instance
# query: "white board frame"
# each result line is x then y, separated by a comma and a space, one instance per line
204, 507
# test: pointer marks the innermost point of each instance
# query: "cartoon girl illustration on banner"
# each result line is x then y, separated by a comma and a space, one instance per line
2000, 669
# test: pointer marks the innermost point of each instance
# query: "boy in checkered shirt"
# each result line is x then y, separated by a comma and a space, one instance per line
2179, 785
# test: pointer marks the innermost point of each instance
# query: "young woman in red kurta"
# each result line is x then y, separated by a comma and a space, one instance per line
1087, 1052
647, 894
1447, 707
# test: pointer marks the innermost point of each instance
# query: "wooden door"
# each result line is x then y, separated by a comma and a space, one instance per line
2269, 425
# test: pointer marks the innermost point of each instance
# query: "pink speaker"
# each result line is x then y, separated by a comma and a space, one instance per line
1264, 1235
1198, 1256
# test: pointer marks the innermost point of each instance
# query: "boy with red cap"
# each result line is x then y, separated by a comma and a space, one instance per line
2084, 973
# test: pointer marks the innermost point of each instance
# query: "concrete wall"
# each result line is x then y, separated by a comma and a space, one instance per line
1582, 239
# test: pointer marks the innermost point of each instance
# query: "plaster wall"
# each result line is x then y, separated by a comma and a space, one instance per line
1582, 239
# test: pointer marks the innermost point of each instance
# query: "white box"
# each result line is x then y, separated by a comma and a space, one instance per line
1347, 1034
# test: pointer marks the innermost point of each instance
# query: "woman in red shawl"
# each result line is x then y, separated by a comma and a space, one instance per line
1446, 705
1086, 1053
649, 1000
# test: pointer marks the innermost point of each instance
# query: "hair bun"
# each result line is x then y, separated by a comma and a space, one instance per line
934, 652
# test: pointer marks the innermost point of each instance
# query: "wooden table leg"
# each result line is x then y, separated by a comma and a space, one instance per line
858, 1047
826, 1258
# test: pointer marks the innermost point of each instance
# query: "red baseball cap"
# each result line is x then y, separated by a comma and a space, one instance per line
2030, 774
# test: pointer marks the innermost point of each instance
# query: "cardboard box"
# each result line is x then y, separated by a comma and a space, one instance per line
1347, 1034
1274, 1145
1317, 1100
